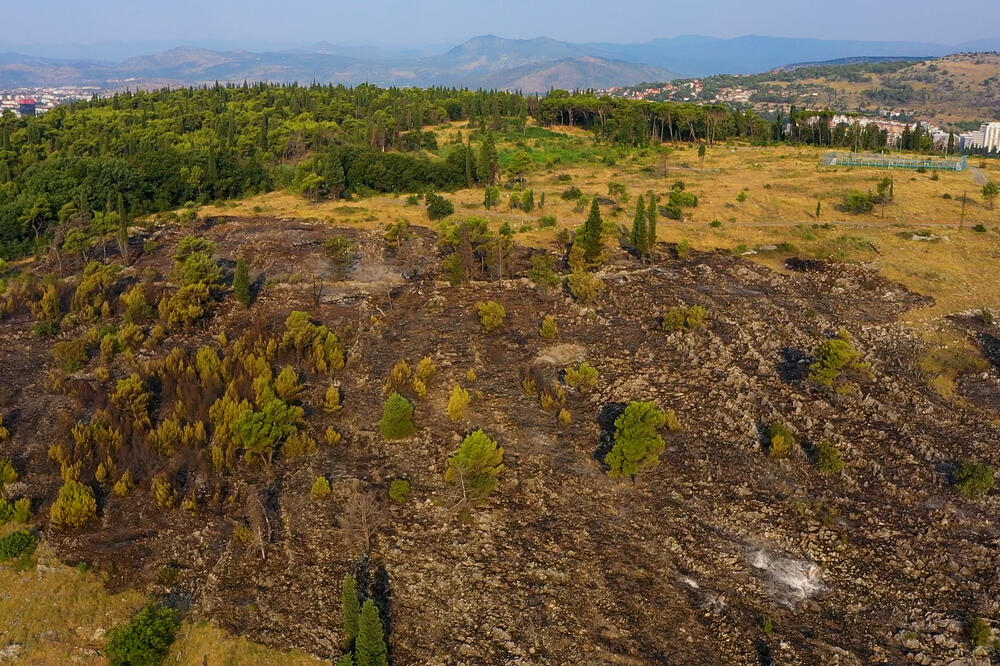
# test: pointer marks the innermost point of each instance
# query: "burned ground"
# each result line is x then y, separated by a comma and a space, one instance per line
719, 554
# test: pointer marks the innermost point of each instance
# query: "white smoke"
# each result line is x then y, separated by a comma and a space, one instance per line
792, 581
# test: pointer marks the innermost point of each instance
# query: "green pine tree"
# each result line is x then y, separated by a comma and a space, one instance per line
639, 234
638, 445
346, 660
651, 224
370, 649
590, 237
350, 608
241, 282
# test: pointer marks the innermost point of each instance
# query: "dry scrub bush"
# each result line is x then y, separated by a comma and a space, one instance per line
780, 440
75, 506
331, 400
583, 376
320, 488
684, 318
549, 329
313, 342
186, 306
491, 315
457, 403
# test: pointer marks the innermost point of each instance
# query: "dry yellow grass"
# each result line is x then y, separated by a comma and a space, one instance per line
784, 183
55, 615
203, 643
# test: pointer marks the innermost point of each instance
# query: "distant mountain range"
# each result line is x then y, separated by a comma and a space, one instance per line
531, 65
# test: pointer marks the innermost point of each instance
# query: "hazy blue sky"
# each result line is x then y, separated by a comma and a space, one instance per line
415, 22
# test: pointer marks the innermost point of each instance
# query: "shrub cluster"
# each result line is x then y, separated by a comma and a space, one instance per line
17, 544
684, 318
145, 640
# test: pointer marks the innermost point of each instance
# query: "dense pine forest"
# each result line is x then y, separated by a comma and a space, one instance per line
82, 171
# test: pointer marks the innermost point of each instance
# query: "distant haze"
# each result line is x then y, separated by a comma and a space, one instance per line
116, 29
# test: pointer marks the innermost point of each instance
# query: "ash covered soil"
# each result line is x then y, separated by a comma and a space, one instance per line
719, 554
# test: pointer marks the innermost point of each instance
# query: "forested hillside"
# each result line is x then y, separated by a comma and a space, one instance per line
82, 171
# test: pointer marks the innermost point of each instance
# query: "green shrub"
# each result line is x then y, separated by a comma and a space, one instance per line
145, 640
132, 398
438, 207
17, 544
18, 511
980, 632
637, 445
858, 202
543, 272
399, 491
191, 244
571, 194
259, 432
974, 480
682, 199
780, 440
137, 308
828, 458
979, 228
199, 268
313, 342
397, 418
8, 473
491, 315
838, 364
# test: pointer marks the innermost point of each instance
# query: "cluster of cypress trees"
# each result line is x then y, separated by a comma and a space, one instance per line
364, 633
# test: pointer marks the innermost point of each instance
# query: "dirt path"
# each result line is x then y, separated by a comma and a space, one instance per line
978, 175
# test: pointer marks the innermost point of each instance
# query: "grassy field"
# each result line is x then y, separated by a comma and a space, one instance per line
783, 185
52, 614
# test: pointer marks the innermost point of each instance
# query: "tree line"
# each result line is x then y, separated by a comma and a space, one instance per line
142, 152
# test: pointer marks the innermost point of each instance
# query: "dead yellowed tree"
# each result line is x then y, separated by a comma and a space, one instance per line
260, 524
361, 517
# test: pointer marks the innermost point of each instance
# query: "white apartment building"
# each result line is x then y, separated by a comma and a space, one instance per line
988, 137
991, 136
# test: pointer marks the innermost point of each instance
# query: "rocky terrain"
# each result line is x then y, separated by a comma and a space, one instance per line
719, 554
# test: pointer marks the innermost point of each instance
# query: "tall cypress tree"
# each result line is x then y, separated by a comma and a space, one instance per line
241, 282
639, 235
590, 237
350, 607
470, 175
651, 224
370, 647
122, 228
489, 166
